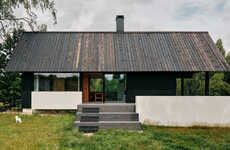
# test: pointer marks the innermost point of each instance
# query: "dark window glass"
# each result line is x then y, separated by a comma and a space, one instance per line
44, 83
58, 81
71, 83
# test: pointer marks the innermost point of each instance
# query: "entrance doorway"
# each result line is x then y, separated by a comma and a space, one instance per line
101, 87
96, 89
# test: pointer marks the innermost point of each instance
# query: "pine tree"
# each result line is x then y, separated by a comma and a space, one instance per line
219, 45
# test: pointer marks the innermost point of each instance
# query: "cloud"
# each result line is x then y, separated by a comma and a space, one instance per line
143, 15
221, 5
188, 10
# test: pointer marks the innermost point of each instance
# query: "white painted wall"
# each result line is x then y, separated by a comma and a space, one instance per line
184, 110
56, 100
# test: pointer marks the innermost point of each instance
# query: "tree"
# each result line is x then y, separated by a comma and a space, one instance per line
195, 85
10, 83
11, 27
220, 82
218, 86
227, 74
9, 21
228, 58
219, 45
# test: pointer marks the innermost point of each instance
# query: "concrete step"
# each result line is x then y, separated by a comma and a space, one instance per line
90, 109
107, 116
89, 118
109, 107
88, 129
130, 125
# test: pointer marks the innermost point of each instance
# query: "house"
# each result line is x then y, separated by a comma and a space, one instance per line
98, 70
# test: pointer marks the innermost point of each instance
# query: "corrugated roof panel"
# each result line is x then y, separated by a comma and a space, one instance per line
116, 52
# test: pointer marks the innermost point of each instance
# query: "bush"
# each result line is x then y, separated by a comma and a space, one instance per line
2, 107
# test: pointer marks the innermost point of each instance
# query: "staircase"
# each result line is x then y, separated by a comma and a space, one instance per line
92, 117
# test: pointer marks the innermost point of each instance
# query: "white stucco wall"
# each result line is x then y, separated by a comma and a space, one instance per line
56, 100
184, 110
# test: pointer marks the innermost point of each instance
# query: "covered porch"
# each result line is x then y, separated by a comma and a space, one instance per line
67, 90
104, 87
94, 87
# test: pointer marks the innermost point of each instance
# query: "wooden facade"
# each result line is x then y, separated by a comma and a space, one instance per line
138, 84
151, 60
27, 88
147, 84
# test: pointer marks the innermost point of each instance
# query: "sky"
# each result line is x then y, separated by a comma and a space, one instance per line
143, 15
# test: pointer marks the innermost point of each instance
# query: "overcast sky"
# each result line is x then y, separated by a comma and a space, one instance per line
144, 15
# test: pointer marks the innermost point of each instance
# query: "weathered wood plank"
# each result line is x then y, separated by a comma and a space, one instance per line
116, 52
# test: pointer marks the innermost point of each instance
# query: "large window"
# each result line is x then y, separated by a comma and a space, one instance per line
193, 86
115, 87
57, 82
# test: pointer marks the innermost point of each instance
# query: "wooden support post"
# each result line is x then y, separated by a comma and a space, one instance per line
207, 83
182, 86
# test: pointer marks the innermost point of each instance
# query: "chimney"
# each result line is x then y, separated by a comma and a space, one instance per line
120, 23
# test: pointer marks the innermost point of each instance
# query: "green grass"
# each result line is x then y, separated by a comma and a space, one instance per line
36, 132
57, 132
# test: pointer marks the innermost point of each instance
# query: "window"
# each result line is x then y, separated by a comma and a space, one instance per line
57, 82
193, 86
96, 84
115, 87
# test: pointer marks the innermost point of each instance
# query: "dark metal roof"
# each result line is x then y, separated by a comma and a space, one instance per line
116, 52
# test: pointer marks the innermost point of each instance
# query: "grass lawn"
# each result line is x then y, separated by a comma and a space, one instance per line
57, 132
